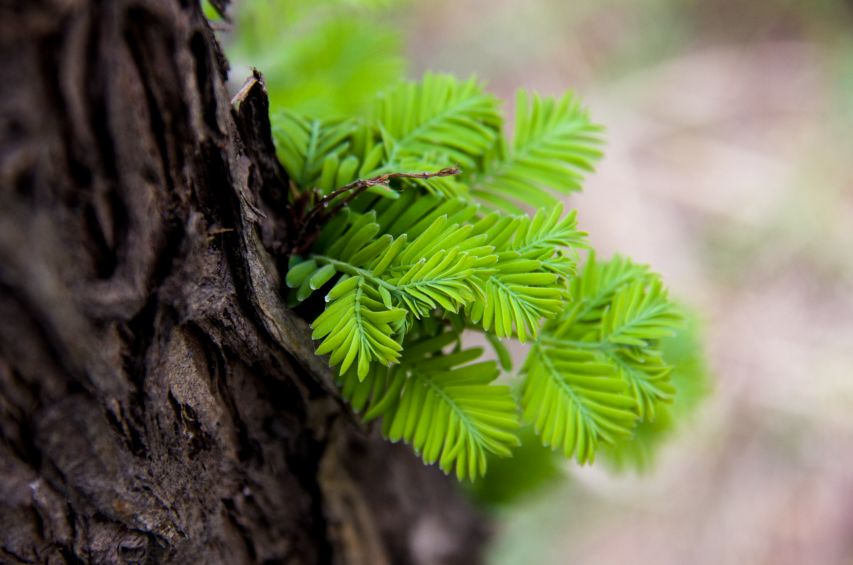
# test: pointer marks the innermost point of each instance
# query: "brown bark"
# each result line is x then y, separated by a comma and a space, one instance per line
157, 401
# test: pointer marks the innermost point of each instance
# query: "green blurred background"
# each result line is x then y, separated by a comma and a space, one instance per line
729, 168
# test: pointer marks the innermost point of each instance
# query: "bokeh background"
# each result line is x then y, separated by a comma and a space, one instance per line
729, 168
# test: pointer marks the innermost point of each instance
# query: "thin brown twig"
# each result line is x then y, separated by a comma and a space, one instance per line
355, 188
360, 185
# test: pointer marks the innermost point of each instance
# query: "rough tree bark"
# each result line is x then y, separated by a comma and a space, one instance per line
157, 401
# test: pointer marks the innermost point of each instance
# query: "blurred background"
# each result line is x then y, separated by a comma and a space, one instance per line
729, 168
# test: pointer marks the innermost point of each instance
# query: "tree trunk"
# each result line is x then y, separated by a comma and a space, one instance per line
158, 403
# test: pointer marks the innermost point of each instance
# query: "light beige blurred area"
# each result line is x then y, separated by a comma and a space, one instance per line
729, 168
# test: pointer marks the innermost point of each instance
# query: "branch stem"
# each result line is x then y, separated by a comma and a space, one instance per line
358, 186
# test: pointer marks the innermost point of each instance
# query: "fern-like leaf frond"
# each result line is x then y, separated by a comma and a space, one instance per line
591, 292
639, 314
356, 327
438, 115
553, 146
308, 147
688, 380
442, 281
647, 376
443, 404
535, 257
517, 298
618, 315
574, 401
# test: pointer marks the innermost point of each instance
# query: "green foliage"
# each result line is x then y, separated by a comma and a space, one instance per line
325, 58
598, 370
499, 273
554, 144
412, 127
418, 220
441, 403
310, 150
690, 381
431, 249
457, 121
